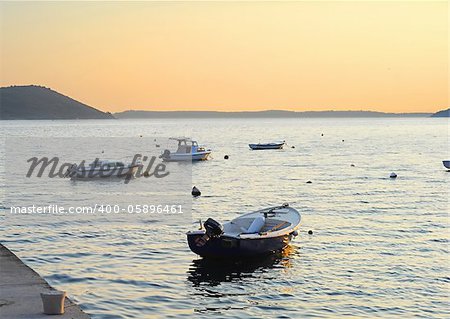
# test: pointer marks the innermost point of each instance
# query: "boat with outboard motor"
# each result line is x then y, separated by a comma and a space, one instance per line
102, 169
188, 150
262, 232
267, 146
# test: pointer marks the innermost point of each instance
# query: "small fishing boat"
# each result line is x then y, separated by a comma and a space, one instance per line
267, 146
446, 164
263, 232
102, 169
188, 150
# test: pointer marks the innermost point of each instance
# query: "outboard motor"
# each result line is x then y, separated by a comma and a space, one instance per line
213, 229
165, 154
71, 171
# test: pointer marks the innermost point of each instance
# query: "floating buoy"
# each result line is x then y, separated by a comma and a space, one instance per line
310, 232
393, 175
140, 135
103, 152
195, 192
342, 140
352, 165
322, 134
308, 182
157, 145
226, 157
292, 146
154, 140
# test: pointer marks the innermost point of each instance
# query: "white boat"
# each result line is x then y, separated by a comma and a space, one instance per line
102, 169
446, 164
267, 146
258, 233
188, 150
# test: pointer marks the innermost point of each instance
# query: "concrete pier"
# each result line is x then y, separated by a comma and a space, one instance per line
20, 288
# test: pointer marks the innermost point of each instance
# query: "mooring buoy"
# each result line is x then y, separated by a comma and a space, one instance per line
226, 157
393, 175
195, 192
310, 232
308, 182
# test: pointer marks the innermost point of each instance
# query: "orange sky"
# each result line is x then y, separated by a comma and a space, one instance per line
384, 56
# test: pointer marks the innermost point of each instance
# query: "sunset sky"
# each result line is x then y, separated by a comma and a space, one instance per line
229, 56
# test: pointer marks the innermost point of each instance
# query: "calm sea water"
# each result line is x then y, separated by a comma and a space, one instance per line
379, 247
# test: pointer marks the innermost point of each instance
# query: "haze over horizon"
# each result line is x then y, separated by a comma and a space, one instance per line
237, 56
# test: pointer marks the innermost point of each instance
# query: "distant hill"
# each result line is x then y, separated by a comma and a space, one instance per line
41, 103
443, 113
261, 114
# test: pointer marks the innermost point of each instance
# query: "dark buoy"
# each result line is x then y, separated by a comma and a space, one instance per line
352, 165
342, 140
292, 146
103, 152
157, 145
310, 232
226, 157
195, 192
140, 135
393, 175
308, 182
322, 134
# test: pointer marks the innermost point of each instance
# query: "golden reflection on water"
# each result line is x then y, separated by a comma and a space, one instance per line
215, 271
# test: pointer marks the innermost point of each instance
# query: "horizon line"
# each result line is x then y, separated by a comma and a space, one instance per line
218, 111
273, 110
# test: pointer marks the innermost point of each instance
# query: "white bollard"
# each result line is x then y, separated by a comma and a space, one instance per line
53, 302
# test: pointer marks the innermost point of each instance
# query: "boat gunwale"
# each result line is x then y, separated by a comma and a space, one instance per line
260, 235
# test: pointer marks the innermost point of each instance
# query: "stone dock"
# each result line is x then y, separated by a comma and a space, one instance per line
20, 288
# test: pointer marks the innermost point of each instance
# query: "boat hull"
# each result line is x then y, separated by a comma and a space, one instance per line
174, 157
266, 146
231, 247
446, 164
104, 173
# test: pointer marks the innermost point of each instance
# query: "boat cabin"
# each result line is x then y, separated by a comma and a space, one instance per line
186, 146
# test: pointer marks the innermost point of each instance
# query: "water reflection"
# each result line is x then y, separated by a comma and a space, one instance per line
213, 272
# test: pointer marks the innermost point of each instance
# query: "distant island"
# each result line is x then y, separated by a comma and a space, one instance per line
40, 103
35, 102
260, 114
443, 113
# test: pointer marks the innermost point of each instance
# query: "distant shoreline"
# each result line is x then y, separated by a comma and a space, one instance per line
35, 102
132, 114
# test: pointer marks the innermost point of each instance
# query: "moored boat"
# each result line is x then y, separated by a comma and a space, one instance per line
262, 232
188, 150
267, 146
102, 169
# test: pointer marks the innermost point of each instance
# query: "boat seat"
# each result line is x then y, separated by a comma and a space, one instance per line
271, 223
256, 225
